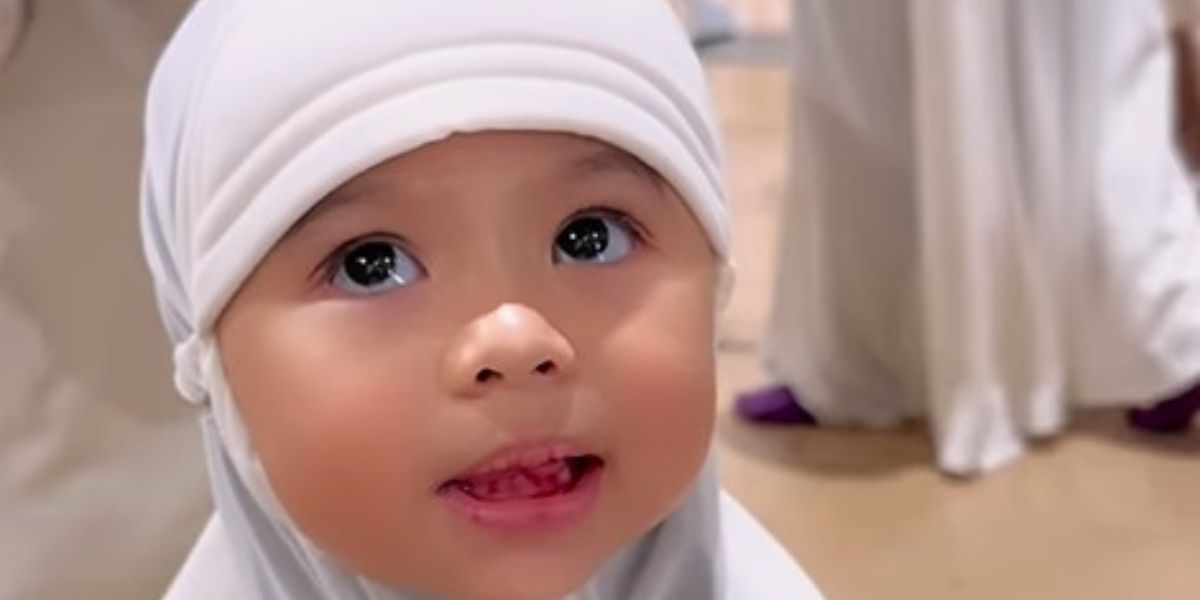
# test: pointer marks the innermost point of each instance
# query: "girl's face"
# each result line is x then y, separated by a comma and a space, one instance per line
482, 367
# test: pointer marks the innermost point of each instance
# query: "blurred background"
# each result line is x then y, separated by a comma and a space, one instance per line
102, 488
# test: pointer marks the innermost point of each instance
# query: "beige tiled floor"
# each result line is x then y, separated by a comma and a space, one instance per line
1102, 514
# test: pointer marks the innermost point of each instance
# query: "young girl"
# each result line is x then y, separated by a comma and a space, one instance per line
442, 275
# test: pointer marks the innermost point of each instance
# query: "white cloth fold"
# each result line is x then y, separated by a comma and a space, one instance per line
991, 222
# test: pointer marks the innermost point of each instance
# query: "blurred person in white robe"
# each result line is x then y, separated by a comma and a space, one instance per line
991, 224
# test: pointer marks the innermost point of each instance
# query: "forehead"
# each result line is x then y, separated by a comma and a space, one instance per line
552, 158
520, 154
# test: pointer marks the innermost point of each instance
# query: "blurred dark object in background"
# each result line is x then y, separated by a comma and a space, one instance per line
1186, 44
14, 18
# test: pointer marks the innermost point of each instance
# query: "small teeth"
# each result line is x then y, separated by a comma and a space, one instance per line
524, 486
551, 469
532, 458
549, 478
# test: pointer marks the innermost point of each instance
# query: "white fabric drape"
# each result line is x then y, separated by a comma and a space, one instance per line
989, 223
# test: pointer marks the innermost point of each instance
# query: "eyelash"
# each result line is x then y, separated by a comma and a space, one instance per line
328, 268
640, 234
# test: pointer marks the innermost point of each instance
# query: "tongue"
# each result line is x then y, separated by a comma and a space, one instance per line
519, 483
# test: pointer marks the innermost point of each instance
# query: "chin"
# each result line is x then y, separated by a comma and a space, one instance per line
516, 577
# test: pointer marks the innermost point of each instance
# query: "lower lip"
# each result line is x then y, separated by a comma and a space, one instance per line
530, 516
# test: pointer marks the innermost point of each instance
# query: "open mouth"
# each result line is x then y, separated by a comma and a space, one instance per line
532, 488
526, 477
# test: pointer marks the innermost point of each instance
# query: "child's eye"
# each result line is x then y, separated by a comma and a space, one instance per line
597, 236
373, 267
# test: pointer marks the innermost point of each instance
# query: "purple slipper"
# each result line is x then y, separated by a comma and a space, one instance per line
774, 405
1169, 416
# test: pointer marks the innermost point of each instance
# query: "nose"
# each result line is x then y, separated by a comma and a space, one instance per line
511, 346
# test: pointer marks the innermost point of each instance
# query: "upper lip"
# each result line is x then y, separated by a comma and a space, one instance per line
524, 454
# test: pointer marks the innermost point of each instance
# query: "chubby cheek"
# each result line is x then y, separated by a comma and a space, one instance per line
663, 399
339, 431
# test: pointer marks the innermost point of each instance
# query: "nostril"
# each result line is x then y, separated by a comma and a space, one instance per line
486, 375
546, 367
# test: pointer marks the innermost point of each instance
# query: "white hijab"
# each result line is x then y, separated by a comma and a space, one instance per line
259, 108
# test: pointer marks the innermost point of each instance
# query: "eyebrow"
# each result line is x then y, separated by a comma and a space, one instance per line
607, 160
328, 203
613, 159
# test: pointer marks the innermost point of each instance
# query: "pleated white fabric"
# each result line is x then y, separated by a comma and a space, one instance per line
989, 224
